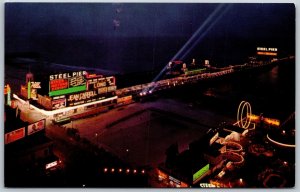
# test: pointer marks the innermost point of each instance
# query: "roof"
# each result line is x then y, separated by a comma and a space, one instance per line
28, 144
185, 166
12, 121
224, 133
235, 128
214, 150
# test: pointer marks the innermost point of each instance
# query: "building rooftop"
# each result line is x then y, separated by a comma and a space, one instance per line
185, 166
12, 119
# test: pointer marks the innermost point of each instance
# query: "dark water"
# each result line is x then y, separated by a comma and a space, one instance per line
134, 54
270, 91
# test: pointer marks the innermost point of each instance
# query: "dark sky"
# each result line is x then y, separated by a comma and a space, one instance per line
140, 19
33, 21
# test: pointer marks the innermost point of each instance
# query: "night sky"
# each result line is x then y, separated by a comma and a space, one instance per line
112, 35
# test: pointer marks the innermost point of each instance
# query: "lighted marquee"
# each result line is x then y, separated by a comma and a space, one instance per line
59, 84
267, 51
84, 97
95, 83
66, 83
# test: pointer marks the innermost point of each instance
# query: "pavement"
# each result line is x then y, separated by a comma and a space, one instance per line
147, 129
138, 133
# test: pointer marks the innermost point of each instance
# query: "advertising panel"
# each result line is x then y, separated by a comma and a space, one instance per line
201, 172
58, 103
267, 51
14, 135
111, 88
65, 83
35, 85
33, 94
95, 83
52, 164
35, 127
81, 98
59, 84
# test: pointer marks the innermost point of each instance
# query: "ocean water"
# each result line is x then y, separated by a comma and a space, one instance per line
270, 91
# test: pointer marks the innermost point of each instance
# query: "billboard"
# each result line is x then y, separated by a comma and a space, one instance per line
35, 127
81, 98
66, 83
201, 172
95, 83
266, 51
59, 103
14, 135
58, 84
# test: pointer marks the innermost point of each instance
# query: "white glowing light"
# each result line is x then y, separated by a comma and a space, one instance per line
241, 122
48, 113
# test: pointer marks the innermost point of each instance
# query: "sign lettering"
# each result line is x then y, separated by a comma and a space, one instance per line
82, 96
67, 75
58, 84
14, 135
35, 85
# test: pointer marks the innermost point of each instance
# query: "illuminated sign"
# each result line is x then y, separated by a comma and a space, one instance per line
124, 99
274, 122
266, 53
174, 180
67, 75
207, 185
253, 117
66, 83
35, 85
95, 83
84, 97
35, 127
28, 90
201, 172
266, 49
14, 135
59, 84
68, 91
76, 81
33, 94
50, 165
58, 103
111, 88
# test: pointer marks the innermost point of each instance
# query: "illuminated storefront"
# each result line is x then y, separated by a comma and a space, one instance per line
71, 93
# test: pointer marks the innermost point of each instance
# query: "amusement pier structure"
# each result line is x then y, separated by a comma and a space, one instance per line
74, 94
